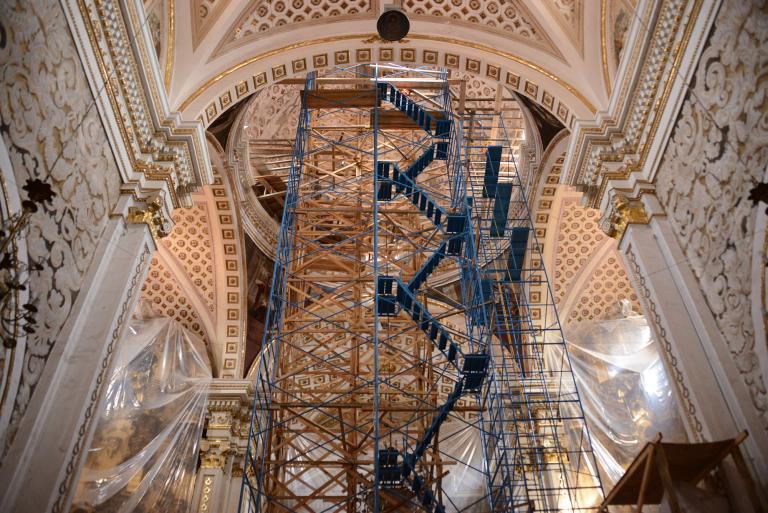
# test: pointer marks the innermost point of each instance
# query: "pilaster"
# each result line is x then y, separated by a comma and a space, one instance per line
222, 450
714, 405
41, 468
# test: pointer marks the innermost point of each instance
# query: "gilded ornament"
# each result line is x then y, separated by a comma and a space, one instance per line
624, 213
152, 216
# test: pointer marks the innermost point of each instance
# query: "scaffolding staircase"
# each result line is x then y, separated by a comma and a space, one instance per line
472, 367
362, 371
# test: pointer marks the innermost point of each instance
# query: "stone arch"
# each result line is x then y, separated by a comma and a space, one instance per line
234, 84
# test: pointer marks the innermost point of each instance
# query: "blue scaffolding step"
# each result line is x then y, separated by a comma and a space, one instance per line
518, 242
385, 183
442, 413
385, 300
456, 223
501, 209
427, 268
456, 227
441, 150
442, 126
389, 469
492, 166
426, 322
389, 175
486, 307
455, 245
474, 370
419, 197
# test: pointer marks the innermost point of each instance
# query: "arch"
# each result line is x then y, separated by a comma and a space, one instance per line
235, 83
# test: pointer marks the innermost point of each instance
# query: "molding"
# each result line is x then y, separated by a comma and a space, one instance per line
74, 463
256, 222
618, 148
154, 148
646, 296
253, 73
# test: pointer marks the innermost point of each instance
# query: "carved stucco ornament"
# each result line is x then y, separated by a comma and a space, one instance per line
214, 453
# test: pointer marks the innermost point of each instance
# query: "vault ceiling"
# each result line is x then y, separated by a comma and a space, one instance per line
559, 53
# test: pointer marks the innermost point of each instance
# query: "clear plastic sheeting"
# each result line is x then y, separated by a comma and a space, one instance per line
145, 448
625, 390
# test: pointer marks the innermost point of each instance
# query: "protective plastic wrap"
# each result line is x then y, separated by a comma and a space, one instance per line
624, 388
145, 448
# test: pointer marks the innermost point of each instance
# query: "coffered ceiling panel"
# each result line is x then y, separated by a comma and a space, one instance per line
261, 17
204, 16
509, 17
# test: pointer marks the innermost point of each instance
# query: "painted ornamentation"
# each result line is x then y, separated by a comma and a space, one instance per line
718, 150
54, 134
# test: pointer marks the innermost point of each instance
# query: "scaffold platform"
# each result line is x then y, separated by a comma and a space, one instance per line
401, 370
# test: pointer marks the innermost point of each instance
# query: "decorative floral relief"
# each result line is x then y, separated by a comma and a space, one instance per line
567, 9
53, 132
719, 148
621, 22
190, 242
266, 15
506, 16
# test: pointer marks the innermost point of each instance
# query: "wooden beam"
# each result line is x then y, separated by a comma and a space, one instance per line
341, 98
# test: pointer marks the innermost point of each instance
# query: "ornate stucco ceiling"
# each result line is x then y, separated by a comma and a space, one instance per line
559, 53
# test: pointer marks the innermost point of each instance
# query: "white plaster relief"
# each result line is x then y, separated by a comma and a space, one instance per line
718, 149
53, 133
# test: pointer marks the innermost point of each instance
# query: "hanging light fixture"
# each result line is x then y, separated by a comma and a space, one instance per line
393, 24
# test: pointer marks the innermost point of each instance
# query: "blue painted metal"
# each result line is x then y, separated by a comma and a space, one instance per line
466, 213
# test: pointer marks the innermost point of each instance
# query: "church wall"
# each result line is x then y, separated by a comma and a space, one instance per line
717, 152
53, 132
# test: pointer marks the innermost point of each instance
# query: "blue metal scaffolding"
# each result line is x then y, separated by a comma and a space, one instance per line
371, 382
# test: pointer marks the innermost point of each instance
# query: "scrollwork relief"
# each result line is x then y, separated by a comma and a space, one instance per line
53, 133
719, 147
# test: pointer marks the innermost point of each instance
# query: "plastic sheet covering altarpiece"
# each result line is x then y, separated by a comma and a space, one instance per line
624, 387
145, 448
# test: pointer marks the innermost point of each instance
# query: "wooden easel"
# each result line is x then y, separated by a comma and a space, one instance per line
659, 465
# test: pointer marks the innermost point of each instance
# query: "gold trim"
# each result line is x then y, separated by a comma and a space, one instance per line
604, 46
513, 58
169, 51
440, 39
661, 105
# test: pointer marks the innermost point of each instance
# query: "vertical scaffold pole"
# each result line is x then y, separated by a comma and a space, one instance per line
401, 368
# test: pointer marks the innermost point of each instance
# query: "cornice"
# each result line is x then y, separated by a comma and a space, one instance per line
156, 149
616, 146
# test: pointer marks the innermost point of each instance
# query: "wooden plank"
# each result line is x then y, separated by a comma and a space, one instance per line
394, 120
666, 478
405, 82
341, 98
644, 483
397, 120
